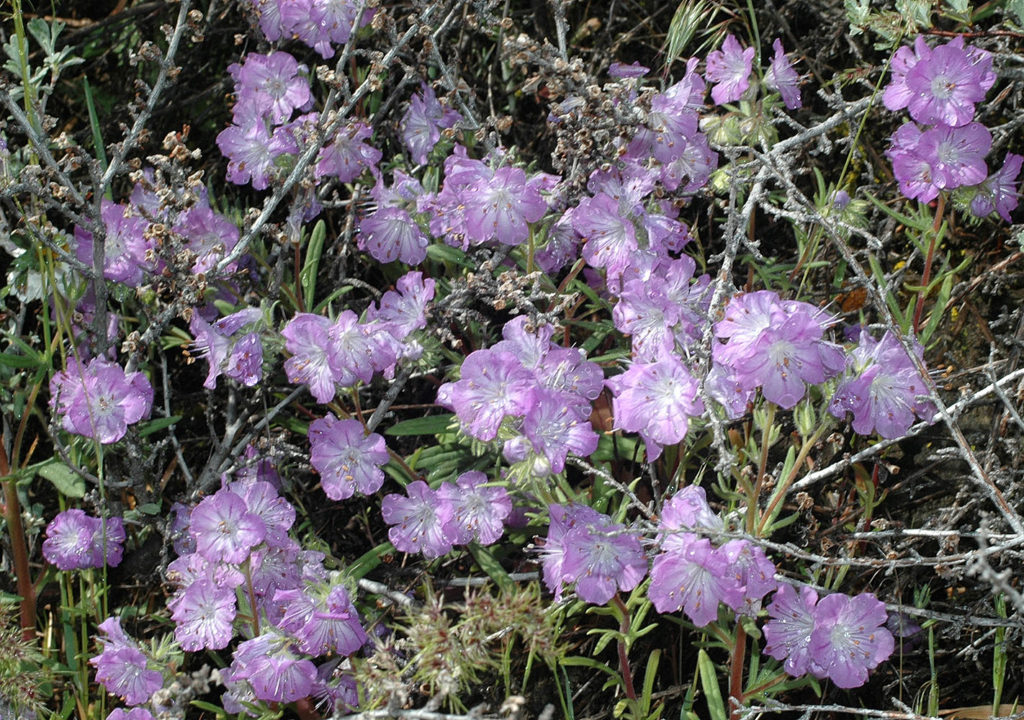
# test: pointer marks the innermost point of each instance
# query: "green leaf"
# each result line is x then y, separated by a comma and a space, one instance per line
314, 249
368, 561
1017, 8
209, 707
430, 425
66, 480
490, 565
158, 424
18, 361
577, 661
149, 508
709, 684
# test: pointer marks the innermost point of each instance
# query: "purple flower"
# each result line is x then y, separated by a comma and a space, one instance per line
306, 339
133, 714
945, 83
261, 499
589, 549
347, 459
355, 350
500, 206
493, 384
242, 361
274, 672
76, 541
323, 618
121, 666
249, 153
422, 123
729, 68
269, 87
752, 571
245, 363
956, 155
100, 400
657, 400
204, 614
897, 95
347, 155
404, 309
478, 512
686, 512
913, 171
224, 529
782, 77
777, 346
123, 673
694, 576
885, 389
609, 239
849, 638
418, 521
390, 234
207, 234
788, 634
999, 192
556, 424
125, 246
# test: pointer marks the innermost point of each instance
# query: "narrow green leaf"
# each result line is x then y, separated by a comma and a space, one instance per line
18, 361
66, 480
490, 565
368, 561
429, 425
709, 684
158, 424
94, 124
314, 249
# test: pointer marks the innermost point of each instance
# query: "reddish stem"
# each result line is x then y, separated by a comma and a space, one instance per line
627, 676
739, 652
19, 548
927, 276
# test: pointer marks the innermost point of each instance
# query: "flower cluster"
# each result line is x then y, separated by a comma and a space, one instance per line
939, 88
729, 69
479, 203
772, 344
270, 89
543, 390
320, 24
123, 668
76, 541
837, 637
240, 358
326, 354
241, 562
692, 574
99, 399
883, 389
589, 549
433, 521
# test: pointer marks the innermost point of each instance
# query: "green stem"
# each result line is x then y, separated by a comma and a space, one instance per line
929, 259
762, 466
781, 492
